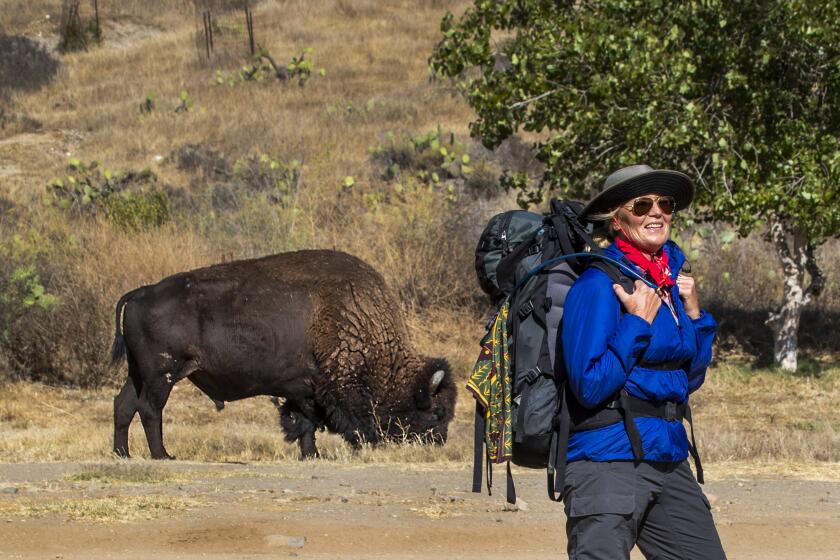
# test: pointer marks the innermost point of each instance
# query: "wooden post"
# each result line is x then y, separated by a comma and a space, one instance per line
249, 23
210, 27
96, 15
204, 16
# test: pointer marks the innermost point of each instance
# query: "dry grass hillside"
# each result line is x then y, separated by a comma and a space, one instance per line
195, 164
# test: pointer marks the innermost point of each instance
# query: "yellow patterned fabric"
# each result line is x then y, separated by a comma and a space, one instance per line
490, 384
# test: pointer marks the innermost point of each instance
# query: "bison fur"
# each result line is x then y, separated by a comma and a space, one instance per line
318, 329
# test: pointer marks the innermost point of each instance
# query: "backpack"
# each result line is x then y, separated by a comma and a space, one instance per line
527, 263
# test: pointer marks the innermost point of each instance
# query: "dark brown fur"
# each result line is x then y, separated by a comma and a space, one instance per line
319, 329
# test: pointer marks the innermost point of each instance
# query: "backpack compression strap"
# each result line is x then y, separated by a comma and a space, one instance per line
556, 472
692, 448
478, 448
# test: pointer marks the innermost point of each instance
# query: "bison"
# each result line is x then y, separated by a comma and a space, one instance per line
319, 329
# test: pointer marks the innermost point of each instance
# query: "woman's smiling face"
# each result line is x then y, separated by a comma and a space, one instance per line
648, 232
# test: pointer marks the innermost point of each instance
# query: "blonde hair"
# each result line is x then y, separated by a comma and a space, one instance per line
604, 232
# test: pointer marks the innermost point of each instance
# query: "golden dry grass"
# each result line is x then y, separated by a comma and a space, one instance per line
374, 54
769, 416
748, 422
371, 52
107, 509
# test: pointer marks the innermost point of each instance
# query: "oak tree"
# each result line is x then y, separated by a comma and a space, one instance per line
744, 96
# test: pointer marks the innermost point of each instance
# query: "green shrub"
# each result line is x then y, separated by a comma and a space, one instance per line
431, 157
82, 187
88, 190
277, 180
137, 211
56, 308
23, 289
264, 67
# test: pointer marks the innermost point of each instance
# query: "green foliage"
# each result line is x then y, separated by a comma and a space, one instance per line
148, 104
301, 68
20, 283
24, 298
24, 289
53, 312
82, 186
89, 190
433, 157
137, 212
265, 67
268, 176
743, 96
185, 102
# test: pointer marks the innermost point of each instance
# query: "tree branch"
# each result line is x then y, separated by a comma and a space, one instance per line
530, 100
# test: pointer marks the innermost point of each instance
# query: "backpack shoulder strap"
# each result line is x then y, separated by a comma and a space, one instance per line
615, 274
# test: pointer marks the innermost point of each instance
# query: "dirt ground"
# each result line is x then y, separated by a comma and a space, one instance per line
139, 509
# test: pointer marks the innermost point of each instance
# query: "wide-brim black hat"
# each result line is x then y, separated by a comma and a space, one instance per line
630, 182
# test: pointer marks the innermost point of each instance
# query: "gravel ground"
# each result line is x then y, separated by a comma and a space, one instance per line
140, 509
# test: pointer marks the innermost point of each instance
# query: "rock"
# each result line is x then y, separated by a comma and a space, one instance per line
9, 490
285, 540
520, 505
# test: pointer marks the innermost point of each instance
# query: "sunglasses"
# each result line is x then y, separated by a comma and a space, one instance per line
643, 204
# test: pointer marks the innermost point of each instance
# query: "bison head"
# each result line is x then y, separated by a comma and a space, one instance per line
427, 413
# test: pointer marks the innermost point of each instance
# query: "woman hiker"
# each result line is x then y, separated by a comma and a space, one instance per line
628, 482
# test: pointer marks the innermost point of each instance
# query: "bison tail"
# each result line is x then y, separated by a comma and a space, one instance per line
118, 348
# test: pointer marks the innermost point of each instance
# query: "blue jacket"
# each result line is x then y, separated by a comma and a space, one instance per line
603, 348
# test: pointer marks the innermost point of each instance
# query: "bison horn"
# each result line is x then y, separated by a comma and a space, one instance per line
435, 382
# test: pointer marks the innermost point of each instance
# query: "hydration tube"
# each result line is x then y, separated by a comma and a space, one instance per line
624, 268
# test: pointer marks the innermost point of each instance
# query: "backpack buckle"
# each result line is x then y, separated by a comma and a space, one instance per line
526, 309
532, 374
670, 411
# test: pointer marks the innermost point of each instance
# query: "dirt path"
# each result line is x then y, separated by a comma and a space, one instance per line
321, 510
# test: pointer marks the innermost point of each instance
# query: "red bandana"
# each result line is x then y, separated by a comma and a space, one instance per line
657, 268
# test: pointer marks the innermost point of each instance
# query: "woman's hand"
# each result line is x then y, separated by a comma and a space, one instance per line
688, 293
643, 302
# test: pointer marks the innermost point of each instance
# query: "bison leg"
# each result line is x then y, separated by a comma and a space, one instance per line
152, 400
153, 397
126, 405
297, 426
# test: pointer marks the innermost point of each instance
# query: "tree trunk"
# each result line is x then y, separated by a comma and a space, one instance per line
796, 254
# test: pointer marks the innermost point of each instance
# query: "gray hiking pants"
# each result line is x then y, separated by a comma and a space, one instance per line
613, 505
